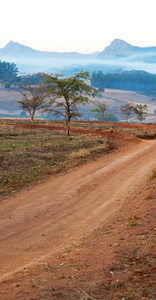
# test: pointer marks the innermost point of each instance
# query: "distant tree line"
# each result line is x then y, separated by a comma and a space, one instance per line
127, 80
30, 79
10, 78
8, 71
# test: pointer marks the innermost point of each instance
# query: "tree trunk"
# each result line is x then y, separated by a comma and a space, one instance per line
32, 115
68, 126
68, 129
68, 123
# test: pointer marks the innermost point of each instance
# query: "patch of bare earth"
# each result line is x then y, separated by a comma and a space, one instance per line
86, 234
116, 261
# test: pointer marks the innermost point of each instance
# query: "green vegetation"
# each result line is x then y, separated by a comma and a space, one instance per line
107, 117
127, 80
34, 79
65, 94
8, 72
141, 111
8, 76
110, 118
100, 108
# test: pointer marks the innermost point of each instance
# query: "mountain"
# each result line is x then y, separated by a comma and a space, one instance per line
16, 50
119, 55
120, 48
117, 48
13, 49
29, 60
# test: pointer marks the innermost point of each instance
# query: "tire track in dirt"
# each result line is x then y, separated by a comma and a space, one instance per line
39, 222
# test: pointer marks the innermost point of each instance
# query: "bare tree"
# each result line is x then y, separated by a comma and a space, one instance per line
127, 109
100, 108
33, 98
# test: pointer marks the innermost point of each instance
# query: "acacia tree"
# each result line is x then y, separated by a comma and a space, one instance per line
66, 93
33, 98
100, 108
141, 111
127, 109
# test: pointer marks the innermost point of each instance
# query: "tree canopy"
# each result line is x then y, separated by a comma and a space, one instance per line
8, 71
30, 79
127, 109
67, 93
128, 80
100, 108
141, 111
110, 117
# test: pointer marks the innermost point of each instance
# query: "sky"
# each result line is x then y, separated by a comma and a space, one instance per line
84, 26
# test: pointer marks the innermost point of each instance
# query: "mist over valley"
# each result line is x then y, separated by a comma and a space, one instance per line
118, 56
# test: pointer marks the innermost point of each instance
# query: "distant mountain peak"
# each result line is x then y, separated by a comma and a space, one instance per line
16, 44
10, 43
14, 49
118, 48
120, 42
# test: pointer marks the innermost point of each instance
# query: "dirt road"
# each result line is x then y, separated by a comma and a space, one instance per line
38, 222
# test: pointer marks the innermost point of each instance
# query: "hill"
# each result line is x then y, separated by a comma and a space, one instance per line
119, 48
14, 50
9, 107
118, 55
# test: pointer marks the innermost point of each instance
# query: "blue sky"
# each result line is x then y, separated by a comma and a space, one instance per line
83, 26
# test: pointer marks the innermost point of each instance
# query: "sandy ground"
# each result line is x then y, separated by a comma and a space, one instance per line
39, 222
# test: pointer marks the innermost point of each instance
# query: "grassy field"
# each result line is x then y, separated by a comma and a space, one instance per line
32, 153
27, 155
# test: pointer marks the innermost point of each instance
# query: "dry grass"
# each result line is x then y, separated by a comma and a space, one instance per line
87, 152
27, 155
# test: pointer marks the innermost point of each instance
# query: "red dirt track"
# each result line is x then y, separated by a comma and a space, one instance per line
38, 223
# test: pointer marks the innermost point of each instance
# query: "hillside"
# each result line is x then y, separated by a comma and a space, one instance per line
114, 98
119, 48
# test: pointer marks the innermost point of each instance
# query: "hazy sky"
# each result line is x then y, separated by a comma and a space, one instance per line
83, 26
